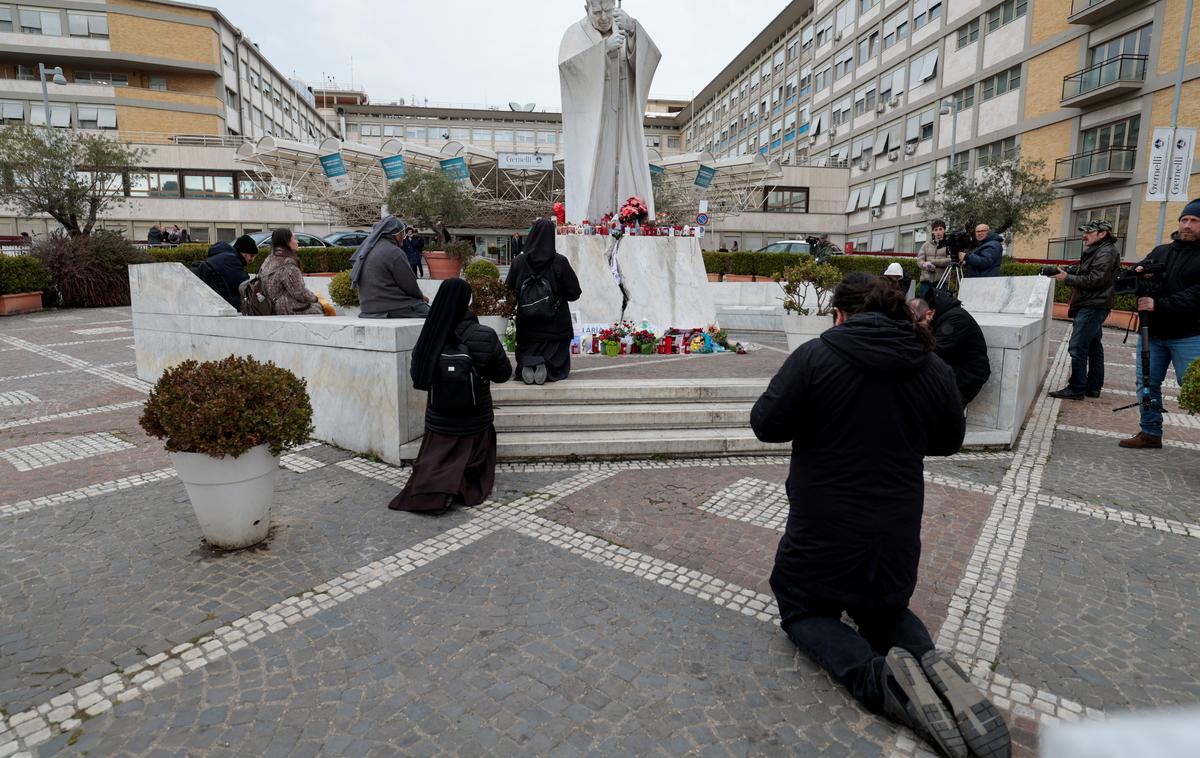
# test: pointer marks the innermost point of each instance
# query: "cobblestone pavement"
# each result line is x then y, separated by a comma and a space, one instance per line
589, 608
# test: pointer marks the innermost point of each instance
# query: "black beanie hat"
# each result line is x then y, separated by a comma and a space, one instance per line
245, 245
1191, 209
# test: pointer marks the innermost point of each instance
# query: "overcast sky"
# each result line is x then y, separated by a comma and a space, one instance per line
477, 52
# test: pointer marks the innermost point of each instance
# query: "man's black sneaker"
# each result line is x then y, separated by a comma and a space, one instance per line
1092, 393
910, 699
1066, 393
979, 721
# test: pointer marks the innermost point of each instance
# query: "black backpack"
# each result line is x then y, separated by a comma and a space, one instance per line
209, 275
255, 301
455, 382
536, 298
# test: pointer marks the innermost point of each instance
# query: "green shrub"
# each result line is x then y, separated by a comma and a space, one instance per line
92, 271
481, 268
822, 277
184, 254
342, 291
1189, 390
716, 263
872, 264
742, 264
489, 297
774, 264
226, 407
460, 249
323, 260
22, 273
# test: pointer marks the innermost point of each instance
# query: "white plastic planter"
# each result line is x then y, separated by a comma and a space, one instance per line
801, 329
231, 496
498, 323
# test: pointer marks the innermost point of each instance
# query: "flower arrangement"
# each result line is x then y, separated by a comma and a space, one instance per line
560, 213
634, 211
645, 340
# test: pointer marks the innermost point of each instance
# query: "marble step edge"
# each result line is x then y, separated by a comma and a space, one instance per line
636, 443
622, 416
624, 391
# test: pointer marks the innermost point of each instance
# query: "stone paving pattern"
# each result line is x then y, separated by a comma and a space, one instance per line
623, 610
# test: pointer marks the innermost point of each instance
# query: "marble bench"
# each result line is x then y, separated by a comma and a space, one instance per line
356, 369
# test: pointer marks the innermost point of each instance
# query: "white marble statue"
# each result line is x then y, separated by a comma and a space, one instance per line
605, 65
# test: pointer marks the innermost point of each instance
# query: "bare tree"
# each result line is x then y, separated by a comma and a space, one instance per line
75, 177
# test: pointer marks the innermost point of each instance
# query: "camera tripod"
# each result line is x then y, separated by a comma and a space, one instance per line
1144, 400
953, 273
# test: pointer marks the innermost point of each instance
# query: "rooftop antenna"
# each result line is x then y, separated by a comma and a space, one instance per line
351, 72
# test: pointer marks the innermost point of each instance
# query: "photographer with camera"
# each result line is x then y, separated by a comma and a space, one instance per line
984, 260
933, 258
1171, 302
1091, 284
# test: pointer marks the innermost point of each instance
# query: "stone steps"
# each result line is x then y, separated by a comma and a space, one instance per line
579, 393
590, 417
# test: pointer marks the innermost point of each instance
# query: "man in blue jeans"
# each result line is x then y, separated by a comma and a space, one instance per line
1174, 321
1091, 285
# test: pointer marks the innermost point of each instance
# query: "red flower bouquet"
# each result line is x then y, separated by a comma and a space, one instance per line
560, 213
634, 211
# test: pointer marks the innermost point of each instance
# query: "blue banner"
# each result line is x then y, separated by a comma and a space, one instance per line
705, 176
656, 170
393, 167
335, 171
456, 169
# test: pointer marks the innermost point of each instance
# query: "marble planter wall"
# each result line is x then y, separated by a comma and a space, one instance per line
1015, 314
356, 369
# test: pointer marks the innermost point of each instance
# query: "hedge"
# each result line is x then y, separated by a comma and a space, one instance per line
716, 263
22, 273
313, 260
742, 264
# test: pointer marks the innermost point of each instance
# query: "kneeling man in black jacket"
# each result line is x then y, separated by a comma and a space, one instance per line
959, 340
870, 390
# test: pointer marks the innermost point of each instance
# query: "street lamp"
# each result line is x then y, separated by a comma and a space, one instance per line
949, 107
58, 78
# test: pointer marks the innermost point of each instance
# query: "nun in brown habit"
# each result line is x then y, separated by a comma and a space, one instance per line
455, 360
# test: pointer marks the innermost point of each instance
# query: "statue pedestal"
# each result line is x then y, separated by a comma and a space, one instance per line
663, 276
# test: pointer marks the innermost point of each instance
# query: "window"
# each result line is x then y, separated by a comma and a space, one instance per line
858, 198
97, 117
245, 71
806, 35
247, 189
754, 79
964, 98
1005, 81
26, 73
962, 161
843, 65
41, 22
997, 151
504, 135
1123, 133
844, 17
864, 100
866, 5
371, 130
11, 112
825, 31
159, 84
925, 12
270, 126
884, 192
208, 185
1136, 42
861, 149
102, 78
653, 140
227, 56
1117, 215
777, 60
672, 143
919, 126
841, 112
868, 47
883, 241
785, 200
6, 20
87, 24
547, 138
793, 49
1005, 13
60, 115
895, 29
154, 184
968, 34
923, 67
231, 98
255, 82
481, 135
823, 79
891, 84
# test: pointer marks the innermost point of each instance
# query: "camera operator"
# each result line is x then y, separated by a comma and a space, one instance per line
1174, 314
852, 542
933, 258
958, 340
1091, 285
984, 260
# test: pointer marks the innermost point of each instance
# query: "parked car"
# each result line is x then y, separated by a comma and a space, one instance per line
263, 239
347, 239
787, 246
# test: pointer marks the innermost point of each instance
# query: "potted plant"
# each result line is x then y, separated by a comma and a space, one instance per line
808, 300
646, 341
225, 424
430, 199
610, 338
1189, 389
344, 294
22, 281
490, 299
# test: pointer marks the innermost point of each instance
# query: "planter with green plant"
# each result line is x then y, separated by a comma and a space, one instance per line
491, 301
225, 424
22, 281
808, 300
344, 294
430, 199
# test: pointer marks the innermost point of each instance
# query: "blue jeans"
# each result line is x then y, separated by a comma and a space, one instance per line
1163, 353
856, 658
1087, 350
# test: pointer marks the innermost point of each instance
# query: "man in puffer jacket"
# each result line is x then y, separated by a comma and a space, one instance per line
1092, 297
984, 260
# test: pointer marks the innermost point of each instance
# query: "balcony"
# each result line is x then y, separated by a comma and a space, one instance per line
1094, 11
1112, 164
1122, 75
1071, 248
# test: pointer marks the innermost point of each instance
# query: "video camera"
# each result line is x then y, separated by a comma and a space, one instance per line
957, 241
1146, 283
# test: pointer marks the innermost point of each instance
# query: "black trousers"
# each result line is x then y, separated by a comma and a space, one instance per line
856, 658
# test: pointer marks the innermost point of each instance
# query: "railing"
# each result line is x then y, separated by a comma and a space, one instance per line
1071, 248
1123, 68
1095, 162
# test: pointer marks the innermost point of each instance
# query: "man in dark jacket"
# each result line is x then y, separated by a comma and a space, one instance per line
388, 287
1174, 320
155, 236
960, 342
227, 268
984, 260
414, 248
1091, 285
868, 390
